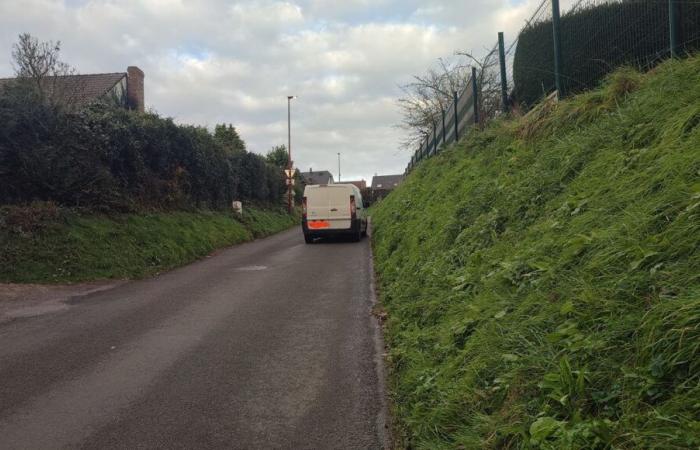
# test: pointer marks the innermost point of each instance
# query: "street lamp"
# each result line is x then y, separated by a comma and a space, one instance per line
290, 174
338, 167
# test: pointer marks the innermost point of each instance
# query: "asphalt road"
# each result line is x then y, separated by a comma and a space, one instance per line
269, 344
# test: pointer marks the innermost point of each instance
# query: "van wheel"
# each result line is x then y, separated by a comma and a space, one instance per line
364, 233
356, 236
308, 239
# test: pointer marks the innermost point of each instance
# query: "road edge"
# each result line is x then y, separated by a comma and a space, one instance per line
384, 419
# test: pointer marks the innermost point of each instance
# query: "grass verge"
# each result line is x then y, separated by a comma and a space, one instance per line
43, 244
542, 278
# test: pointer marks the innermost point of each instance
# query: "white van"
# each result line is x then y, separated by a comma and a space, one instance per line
331, 210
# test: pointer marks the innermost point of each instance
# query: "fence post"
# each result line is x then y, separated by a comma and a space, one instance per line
444, 134
557, 48
504, 79
434, 140
456, 100
674, 27
475, 96
427, 146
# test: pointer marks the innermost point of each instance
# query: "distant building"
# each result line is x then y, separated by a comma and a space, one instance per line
126, 88
317, 177
383, 184
361, 184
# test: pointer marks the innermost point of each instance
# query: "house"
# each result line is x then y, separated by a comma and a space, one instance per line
383, 184
317, 177
361, 184
126, 88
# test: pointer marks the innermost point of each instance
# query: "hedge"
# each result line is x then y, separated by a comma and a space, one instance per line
595, 40
103, 157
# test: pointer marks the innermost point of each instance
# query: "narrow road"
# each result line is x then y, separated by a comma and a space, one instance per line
268, 344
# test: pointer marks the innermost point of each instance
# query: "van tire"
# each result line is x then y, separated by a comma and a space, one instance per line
308, 239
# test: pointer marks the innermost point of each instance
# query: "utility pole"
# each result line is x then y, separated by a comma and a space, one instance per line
338, 167
289, 173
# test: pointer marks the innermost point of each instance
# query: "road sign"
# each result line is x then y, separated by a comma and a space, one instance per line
289, 172
290, 181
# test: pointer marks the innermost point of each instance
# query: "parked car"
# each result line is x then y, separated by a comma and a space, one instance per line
332, 210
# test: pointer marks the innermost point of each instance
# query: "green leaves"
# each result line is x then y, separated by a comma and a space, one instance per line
543, 428
107, 159
634, 265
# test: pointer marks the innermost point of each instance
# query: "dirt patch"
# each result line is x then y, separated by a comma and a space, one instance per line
26, 300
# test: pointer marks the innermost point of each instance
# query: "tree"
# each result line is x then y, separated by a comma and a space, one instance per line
427, 96
278, 156
228, 138
38, 65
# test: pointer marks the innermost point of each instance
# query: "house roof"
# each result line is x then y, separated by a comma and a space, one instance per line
317, 177
361, 184
81, 89
386, 182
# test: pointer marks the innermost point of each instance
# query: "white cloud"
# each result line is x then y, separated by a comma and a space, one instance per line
214, 61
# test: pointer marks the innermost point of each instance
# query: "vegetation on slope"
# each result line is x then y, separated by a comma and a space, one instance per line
542, 278
42, 243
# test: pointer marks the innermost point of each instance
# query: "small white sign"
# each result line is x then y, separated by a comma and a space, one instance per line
289, 172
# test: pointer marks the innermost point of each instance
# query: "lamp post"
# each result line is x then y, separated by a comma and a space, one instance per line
289, 173
338, 167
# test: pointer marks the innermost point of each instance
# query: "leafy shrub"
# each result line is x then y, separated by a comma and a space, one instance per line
595, 41
105, 158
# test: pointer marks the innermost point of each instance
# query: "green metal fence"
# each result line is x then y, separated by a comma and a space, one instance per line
566, 51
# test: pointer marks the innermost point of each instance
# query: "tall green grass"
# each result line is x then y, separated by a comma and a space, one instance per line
43, 244
542, 278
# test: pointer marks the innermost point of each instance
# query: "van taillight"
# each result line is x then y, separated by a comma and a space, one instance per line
353, 207
303, 208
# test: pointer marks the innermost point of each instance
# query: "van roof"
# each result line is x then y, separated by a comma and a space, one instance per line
355, 191
343, 185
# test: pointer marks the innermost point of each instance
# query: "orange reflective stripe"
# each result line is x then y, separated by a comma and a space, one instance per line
319, 224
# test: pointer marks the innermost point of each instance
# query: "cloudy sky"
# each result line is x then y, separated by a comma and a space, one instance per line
213, 61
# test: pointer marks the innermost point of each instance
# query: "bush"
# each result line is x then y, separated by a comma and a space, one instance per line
595, 41
106, 158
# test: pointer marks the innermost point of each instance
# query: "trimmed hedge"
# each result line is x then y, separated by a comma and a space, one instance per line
595, 41
106, 158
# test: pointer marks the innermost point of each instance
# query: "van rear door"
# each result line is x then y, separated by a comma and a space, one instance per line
330, 203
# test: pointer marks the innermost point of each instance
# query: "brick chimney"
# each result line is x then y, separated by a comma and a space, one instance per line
134, 88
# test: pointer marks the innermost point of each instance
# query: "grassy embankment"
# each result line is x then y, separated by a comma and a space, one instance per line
44, 244
542, 278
